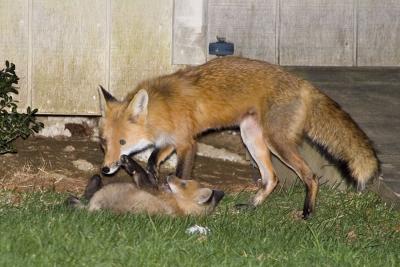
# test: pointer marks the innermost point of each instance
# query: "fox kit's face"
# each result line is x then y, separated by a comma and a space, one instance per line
192, 197
123, 129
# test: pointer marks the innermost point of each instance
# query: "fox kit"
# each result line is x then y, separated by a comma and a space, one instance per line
274, 110
182, 197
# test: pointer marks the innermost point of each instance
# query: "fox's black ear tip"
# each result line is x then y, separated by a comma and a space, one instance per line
218, 195
106, 94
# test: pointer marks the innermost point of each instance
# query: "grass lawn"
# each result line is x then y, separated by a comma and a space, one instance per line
348, 230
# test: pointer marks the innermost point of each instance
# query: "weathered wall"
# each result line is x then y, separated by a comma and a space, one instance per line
378, 33
64, 49
14, 35
141, 38
190, 32
251, 25
68, 55
315, 32
310, 32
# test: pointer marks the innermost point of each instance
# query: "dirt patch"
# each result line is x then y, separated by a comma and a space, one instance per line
65, 165
28, 179
83, 165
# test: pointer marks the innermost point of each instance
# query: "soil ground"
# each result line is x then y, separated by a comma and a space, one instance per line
66, 164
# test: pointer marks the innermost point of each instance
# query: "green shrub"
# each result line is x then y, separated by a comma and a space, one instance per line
13, 124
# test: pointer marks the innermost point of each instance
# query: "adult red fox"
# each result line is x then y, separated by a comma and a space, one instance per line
178, 197
274, 110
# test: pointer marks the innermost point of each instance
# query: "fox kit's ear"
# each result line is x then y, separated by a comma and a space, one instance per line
204, 195
108, 99
139, 103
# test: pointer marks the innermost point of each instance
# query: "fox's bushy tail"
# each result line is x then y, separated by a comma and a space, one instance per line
332, 128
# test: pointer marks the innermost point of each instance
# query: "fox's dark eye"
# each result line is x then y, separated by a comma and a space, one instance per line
122, 142
183, 184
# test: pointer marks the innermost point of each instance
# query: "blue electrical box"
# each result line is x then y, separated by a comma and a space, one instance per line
221, 48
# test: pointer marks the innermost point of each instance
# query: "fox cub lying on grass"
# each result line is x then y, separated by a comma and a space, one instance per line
179, 197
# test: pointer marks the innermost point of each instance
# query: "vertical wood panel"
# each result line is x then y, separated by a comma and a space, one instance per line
379, 33
141, 42
316, 32
14, 43
249, 24
69, 42
190, 32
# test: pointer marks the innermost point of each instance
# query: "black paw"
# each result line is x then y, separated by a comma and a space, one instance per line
141, 177
307, 214
124, 160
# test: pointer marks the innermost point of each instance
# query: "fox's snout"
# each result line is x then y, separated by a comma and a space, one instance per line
105, 170
108, 170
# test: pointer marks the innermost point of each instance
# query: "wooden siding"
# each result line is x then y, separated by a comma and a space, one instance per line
316, 32
378, 33
64, 49
190, 32
68, 55
141, 38
14, 29
250, 25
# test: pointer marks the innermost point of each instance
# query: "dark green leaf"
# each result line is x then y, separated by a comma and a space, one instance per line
13, 125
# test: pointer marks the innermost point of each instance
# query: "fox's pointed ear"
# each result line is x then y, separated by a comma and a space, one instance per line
204, 195
107, 96
108, 99
139, 103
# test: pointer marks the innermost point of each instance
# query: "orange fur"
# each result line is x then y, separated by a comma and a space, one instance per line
274, 109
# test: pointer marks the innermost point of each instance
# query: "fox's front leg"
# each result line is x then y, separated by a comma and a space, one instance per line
185, 156
158, 156
95, 184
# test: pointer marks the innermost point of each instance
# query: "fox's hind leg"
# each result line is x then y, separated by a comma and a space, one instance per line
185, 154
252, 136
287, 151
